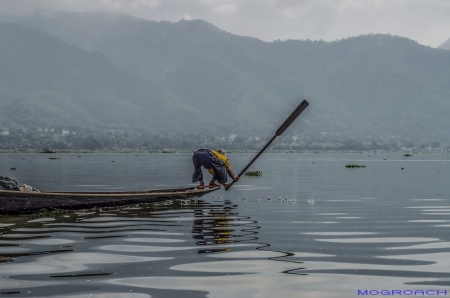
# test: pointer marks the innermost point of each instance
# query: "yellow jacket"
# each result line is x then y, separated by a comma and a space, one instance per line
222, 158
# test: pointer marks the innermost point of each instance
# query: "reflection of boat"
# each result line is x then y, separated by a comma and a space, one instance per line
16, 201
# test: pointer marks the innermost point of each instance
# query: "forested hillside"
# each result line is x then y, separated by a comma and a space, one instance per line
114, 71
48, 83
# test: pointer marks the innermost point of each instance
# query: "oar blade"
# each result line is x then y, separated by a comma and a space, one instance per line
301, 107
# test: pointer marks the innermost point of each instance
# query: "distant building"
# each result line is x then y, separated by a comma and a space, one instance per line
168, 151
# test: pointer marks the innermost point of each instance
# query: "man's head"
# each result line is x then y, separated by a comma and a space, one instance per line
223, 152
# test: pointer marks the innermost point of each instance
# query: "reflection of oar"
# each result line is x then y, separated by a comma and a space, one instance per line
280, 130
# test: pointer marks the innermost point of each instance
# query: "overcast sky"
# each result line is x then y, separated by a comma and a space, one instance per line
426, 21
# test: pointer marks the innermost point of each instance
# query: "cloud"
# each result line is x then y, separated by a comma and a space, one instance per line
423, 20
226, 8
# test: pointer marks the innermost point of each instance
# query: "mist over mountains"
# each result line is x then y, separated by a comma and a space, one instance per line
100, 73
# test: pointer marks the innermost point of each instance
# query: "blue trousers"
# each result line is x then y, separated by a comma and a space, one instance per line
205, 158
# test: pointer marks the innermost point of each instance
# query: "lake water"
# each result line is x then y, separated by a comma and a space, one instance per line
326, 231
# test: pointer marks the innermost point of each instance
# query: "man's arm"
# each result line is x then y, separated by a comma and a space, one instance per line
234, 177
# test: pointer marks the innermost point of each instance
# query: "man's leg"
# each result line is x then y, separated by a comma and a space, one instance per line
202, 185
213, 183
197, 174
220, 172
200, 159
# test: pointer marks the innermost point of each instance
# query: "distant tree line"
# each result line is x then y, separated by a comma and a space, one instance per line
19, 139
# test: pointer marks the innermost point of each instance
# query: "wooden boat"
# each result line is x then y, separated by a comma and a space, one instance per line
17, 202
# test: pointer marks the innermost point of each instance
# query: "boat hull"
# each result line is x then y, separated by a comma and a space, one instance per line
13, 202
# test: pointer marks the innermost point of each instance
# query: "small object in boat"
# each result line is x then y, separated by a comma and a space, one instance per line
27, 188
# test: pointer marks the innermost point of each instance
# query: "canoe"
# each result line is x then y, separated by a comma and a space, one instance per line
12, 202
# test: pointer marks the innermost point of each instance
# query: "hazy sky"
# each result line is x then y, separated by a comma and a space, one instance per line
427, 21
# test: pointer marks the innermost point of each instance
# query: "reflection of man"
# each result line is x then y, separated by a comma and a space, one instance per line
211, 227
216, 163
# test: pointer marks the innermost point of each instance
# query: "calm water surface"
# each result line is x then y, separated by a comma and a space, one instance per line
308, 227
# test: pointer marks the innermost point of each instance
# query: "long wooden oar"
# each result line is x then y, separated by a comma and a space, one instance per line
280, 130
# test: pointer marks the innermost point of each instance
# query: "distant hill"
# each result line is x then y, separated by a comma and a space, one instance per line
205, 66
46, 82
445, 45
375, 86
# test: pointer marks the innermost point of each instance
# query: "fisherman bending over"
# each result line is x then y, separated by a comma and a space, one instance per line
217, 165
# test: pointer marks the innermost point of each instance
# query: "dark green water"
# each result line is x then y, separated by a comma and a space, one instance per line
327, 231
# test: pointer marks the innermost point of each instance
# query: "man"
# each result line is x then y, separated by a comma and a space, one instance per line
217, 165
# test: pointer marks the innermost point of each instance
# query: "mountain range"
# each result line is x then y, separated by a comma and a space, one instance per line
445, 45
113, 71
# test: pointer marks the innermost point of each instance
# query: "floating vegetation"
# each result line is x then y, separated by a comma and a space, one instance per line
54, 158
288, 200
13, 168
253, 173
407, 155
47, 150
355, 166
